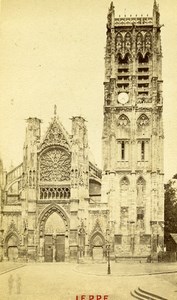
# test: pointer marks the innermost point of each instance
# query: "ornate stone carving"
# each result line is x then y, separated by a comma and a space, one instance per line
124, 184
48, 212
12, 231
143, 120
55, 136
55, 165
96, 228
148, 42
97, 240
119, 42
128, 42
123, 121
143, 99
139, 42
54, 192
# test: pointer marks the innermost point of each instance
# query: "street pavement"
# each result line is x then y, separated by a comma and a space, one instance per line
68, 281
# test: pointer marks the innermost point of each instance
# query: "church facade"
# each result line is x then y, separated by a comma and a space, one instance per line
57, 205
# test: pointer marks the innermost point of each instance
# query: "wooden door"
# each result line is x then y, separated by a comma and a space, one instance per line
48, 248
12, 253
60, 248
98, 253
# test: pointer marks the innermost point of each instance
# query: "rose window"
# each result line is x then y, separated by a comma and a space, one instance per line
55, 165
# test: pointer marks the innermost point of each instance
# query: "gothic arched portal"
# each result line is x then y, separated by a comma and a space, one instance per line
53, 230
11, 246
97, 244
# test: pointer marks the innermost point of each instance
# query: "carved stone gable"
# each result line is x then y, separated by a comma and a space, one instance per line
56, 135
97, 227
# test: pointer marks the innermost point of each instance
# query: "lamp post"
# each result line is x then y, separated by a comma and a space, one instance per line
26, 242
108, 251
108, 254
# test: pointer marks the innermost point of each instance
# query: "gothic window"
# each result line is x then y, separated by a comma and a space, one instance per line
143, 150
140, 214
124, 218
124, 190
124, 184
139, 42
123, 150
141, 187
123, 121
148, 41
119, 42
55, 165
140, 217
128, 42
143, 120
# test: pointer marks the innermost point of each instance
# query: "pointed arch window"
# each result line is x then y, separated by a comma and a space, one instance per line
119, 42
143, 150
139, 42
123, 121
123, 150
128, 41
148, 41
141, 188
124, 189
143, 120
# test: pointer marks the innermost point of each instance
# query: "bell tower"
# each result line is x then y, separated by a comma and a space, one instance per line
132, 139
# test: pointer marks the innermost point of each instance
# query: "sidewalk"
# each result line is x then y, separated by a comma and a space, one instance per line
127, 269
9, 266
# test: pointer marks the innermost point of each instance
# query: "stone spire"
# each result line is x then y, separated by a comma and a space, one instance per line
156, 14
111, 15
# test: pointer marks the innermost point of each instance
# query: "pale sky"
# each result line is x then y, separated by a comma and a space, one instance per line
52, 52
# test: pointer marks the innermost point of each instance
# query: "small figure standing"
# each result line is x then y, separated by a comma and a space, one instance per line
10, 283
18, 284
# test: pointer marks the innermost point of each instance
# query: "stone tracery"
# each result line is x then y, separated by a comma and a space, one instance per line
143, 120
139, 42
128, 42
55, 136
55, 165
119, 42
123, 121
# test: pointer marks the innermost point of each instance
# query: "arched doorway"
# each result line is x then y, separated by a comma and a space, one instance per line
54, 238
53, 234
97, 244
12, 247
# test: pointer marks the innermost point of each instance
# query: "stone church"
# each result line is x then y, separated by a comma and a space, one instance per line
57, 205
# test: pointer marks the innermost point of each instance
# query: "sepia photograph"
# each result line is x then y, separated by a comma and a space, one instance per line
88, 159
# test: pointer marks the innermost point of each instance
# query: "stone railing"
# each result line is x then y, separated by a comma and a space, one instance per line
135, 20
55, 193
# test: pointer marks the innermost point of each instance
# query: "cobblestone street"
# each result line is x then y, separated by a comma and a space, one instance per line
65, 281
